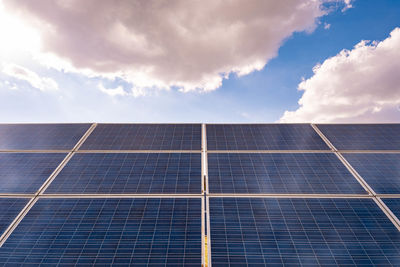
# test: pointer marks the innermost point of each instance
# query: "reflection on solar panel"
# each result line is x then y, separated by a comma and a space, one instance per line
107, 231
309, 173
9, 209
144, 137
363, 136
40, 136
301, 232
130, 173
263, 137
393, 204
380, 171
26, 172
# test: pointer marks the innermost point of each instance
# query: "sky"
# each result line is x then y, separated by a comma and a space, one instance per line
200, 61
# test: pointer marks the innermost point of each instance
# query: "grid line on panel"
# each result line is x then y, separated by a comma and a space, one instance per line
135, 151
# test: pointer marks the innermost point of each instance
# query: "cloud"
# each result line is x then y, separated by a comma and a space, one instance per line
190, 45
362, 84
24, 74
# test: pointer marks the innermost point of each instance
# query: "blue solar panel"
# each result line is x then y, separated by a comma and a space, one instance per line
26, 172
301, 232
40, 136
130, 173
394, 205
144, 137
308, 173
263, 137
363, 136
380, 171
9, 209
107, 232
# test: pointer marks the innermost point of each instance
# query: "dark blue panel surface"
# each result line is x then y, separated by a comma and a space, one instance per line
308, 173
263, 137
144, 137
394, 205
26, 172
363, 136
9, 209
301, 232
107, 232
130, 173
41, 136
380, 171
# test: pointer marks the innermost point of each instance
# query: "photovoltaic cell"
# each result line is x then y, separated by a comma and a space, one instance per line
26, 172
263, 137
40, 136
113, 173
307, 173
9, 209
394, 205
144, 137
301, 232
155, 232
363, 136
380, 171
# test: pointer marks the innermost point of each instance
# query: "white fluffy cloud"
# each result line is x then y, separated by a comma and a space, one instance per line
24, 74
362, 84
177, 43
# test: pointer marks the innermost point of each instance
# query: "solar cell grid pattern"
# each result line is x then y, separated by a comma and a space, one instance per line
25, 173
263, 137
394, 205
9, 209
41, 136
113, 173
144, 232
363, 136
380, 171
144, 137
307, 173
301, 232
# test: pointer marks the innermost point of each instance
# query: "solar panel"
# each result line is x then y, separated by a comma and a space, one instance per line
363, 136
301, 232
130, 173
394, 205
144, 137
263, 137
9, 209
307, 173
107, 231
26, 172
40, 136
380, 171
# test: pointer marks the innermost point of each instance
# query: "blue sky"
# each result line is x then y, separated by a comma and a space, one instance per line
78, 86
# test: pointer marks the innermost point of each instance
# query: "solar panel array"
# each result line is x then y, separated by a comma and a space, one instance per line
193, 194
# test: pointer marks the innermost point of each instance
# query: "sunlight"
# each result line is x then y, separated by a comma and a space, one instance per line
16, 37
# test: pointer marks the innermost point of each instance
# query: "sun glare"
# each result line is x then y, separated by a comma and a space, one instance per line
17, 37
